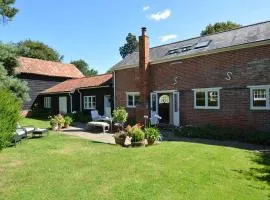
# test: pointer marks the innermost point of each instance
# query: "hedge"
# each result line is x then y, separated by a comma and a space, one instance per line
217, 133
10, 114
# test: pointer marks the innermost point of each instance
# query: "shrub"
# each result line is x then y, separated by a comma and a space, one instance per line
68, 120
152, 134
57, 120
120, 115
217, 133
10, 114
136, 133
40, 113
80, 117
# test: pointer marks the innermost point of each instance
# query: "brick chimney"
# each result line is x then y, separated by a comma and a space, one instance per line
143, 79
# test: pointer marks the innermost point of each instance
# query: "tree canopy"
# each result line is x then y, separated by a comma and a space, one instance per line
39, 50
219, 27
16, 86
130, 45
8, 53
84, 67
7, 10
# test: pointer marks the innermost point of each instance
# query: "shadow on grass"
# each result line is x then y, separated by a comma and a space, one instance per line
263, 173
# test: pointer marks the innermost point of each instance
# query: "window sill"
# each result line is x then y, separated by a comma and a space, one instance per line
260, 108
207, 108
130, 106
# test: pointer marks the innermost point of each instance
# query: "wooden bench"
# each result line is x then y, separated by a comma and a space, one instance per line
105, 126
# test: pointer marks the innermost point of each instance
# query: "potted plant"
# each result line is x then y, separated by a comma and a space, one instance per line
68, 121
120, 116
137, 136
53, 123
60, 121
120, 138
151, 135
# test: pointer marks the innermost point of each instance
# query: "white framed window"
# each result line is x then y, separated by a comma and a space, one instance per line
207, 98
47, 102
132, 99
89, 102
260, 97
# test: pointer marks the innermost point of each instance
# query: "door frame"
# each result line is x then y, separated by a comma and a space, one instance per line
176, 115
60, 102
108, 95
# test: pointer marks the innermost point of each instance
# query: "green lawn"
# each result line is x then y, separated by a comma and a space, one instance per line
65, 167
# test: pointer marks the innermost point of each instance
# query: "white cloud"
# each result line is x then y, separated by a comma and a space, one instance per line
145, 8
161, 15
166, 38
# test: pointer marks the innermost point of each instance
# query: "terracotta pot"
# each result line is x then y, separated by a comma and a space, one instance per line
150, 141
120, 141
54, 128
138, 144
66, 126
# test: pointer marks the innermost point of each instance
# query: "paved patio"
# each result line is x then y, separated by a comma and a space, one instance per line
81, 131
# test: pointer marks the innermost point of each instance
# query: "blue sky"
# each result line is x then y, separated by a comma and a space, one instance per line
94, 30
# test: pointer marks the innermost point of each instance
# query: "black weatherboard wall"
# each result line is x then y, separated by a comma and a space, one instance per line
37, 84
99, 93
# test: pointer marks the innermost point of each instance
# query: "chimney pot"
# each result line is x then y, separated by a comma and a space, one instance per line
143, 30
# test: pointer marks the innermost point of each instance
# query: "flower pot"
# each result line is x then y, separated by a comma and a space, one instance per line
138, 144
120, 141
150, 141
59, 127
66, 125
54, 128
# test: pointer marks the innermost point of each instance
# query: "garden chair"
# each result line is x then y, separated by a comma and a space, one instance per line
155, 118
95, 116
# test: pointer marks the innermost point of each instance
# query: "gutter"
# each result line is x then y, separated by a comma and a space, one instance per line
114, 89
70, 95
80, 99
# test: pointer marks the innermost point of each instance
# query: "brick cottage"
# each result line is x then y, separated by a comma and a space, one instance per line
221, 79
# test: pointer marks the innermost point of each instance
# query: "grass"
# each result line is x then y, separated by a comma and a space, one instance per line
65, 167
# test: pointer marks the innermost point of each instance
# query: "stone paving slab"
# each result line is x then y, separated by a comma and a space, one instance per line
83, 133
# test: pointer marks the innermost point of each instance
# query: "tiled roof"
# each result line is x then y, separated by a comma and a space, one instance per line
79, 83
47, 68
239, 36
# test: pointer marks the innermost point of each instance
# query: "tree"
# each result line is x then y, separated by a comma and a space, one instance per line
8, 58
16, 86
219, 27
7, 11
130, 45
39, 50
10, 114
84, 67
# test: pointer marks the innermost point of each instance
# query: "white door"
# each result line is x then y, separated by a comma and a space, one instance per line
154, 107
176, 109
107, 106
63, 105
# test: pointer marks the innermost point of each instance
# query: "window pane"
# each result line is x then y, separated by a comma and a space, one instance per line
164, 99
137, 99
259, 98
176, 109
130, 100
154, 102
200, 98
213, 98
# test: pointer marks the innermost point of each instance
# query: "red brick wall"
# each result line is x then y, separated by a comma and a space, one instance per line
248, 66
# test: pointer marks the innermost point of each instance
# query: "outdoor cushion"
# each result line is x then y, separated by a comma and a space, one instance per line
94, 114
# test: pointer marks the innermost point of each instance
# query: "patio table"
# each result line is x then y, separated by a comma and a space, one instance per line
39, 132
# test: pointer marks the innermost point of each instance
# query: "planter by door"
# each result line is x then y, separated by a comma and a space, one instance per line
63, 105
